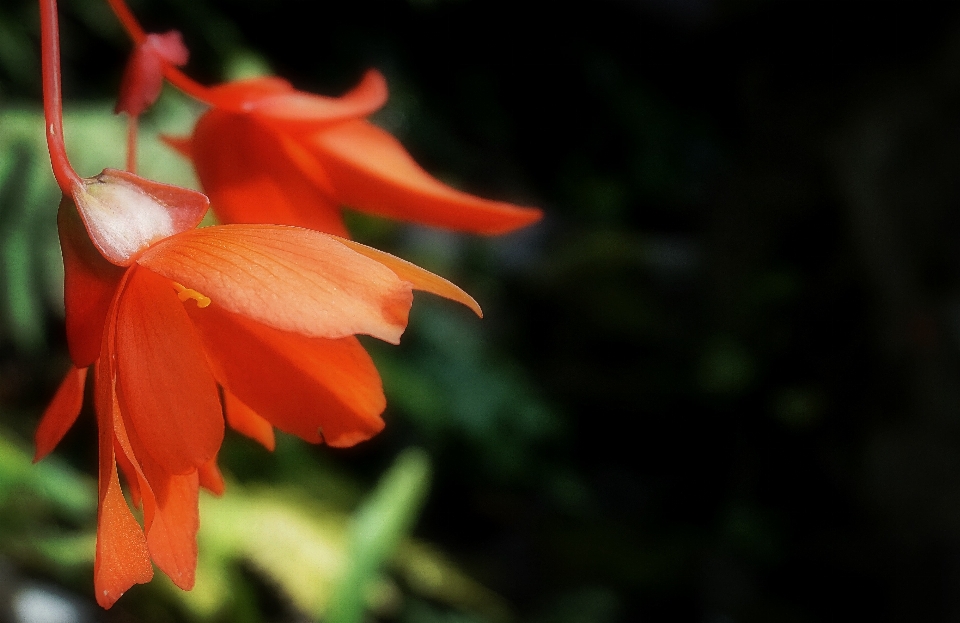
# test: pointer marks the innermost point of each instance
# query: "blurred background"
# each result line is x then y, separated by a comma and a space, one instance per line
720, 381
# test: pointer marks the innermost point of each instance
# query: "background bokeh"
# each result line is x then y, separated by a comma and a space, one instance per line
719, 382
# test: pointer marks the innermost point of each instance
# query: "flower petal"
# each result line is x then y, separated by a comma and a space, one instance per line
252, 178
143, 76
287, 278
239, 95
275, 101
165, 385
89, 285
181, 144
172, 533
299, 111
317, 389
420, 278
125, 213
245, 420
122, 558
372, 172
210, 477
61, 413
170, 507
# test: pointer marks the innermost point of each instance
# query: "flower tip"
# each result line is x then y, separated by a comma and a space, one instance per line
417, 277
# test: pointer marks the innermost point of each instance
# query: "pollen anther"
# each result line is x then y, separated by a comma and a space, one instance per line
184, 293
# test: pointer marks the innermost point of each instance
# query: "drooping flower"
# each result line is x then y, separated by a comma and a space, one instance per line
266, 152
184, 325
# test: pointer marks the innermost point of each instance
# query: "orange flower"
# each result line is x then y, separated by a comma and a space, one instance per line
183, 325
266, 153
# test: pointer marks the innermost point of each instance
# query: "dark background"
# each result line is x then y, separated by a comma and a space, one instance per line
721, 380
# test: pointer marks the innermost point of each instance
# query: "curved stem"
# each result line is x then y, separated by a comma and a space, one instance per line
136, 32
186, 84
67, 178
128, 20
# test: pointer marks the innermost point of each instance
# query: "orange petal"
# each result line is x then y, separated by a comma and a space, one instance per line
210, 477
420, 278
61, 413
275, 101
372, 172
164, 383
170, 510
298, 111
181, 144
89, 285
130, 471
287, 278
124, 213
239, 95
122, 558
172, 535
245, 420
317, 389
251, 177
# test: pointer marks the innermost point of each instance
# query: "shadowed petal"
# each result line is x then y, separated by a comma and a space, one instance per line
372, 172
252, 178
165, 385
245, 420
210, 477
239, 95
317, 389
181, 144
170, 507
172, 532
89, 285
287, 278
299, 111
61, 413
276, 102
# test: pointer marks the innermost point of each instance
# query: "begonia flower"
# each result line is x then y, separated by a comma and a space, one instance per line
266, 152
182, 325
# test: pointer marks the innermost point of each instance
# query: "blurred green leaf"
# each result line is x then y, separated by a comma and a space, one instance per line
377, 529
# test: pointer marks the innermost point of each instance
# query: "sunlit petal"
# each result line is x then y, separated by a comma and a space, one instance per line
287, 278
420, 278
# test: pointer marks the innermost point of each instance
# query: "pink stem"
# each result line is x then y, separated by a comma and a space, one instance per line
132, 125
67, 178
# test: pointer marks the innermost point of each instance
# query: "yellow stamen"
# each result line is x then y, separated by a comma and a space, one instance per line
184, 293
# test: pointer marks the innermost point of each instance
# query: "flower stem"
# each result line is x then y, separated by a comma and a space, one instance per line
132, 125
67, 178
136, 32
128, 20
